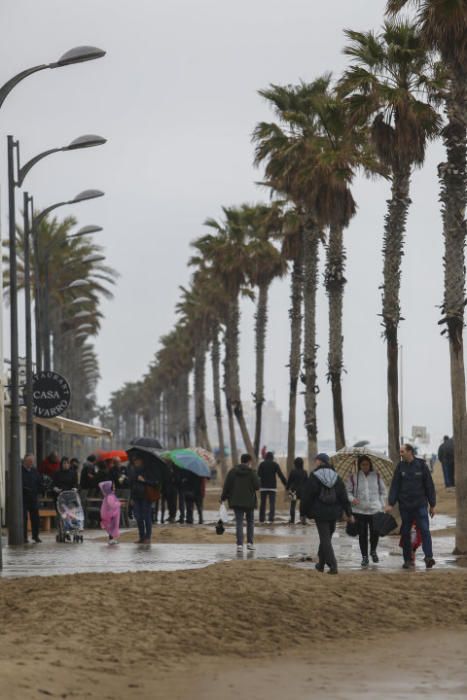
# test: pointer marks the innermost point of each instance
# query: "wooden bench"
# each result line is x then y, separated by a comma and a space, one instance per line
46, 516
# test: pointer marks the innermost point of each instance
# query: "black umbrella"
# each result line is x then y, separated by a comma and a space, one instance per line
153, 462
146, 442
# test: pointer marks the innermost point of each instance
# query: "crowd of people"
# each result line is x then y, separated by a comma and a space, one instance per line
322, 496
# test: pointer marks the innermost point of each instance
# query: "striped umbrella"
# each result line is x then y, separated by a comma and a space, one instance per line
345, 462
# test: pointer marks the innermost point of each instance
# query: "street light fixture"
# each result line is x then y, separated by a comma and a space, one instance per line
85, 231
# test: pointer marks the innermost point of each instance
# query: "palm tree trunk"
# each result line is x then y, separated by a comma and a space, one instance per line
311, 259
295, 314
201, 427
228, 400
260, 335
335, 283
233, 323
453, 178
216, 388
393, 250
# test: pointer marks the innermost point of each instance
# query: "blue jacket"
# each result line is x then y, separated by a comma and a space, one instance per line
412, 485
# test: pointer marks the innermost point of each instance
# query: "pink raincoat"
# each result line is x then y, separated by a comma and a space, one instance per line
110, 510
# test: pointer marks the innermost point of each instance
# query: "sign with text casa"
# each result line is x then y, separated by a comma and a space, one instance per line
51, 394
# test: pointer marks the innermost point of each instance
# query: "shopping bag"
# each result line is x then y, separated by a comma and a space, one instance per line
223, 514
384, 523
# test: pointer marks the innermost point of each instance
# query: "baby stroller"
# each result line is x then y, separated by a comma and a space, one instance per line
71, 517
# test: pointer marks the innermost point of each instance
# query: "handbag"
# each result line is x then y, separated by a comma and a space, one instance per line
383, 523
352, 529
151, 493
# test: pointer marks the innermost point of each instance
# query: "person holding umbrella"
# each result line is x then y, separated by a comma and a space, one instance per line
367, 494
143, 493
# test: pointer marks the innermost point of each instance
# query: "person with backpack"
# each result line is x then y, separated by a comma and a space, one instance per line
268, 471
325, 500
295, 483
367, 494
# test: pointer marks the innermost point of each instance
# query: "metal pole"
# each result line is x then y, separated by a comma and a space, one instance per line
27, 301
45, 313
15, 500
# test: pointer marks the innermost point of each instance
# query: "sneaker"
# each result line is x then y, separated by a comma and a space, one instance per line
319, 567
239, 548
146, 541
365, 562
408, 564
375, 557
251, 546
429, 562
112, 541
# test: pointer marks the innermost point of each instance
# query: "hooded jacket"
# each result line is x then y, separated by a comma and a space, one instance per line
312, 507
297, 480
110, 509
240, 487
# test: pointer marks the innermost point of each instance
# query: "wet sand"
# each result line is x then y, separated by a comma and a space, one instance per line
99, 635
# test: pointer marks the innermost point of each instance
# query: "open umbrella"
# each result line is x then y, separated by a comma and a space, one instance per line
189, 460
110, 454
144, 441
345, 462
153, 461
205, 455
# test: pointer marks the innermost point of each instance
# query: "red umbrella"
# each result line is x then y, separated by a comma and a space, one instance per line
103, 456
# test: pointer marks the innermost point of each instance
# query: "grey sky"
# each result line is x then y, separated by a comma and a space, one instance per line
177, 98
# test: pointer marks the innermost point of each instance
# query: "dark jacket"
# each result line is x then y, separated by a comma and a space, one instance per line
240, 487
267, 472
138, 492
297, 480
88, 478
191, 485
311, 504
412, 485
65, 479
446, 452
119, 476
32, 484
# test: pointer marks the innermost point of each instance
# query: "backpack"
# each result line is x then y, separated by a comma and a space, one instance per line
327, 495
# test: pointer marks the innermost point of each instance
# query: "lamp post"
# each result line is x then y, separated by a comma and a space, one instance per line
15, 526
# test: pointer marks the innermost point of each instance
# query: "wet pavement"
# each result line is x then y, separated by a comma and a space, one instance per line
95, 555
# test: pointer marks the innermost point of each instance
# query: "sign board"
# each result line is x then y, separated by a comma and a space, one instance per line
51, 394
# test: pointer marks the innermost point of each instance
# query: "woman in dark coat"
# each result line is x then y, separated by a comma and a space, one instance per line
295, 485
65, 478
140, 477
325, 500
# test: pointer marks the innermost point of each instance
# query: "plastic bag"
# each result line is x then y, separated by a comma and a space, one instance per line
223, 514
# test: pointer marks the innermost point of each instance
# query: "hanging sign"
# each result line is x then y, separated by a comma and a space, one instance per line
51, 394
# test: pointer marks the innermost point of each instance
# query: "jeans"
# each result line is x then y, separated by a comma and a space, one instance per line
420, 517
448, 474
31, 508
250, 524
272, 506
143, 514
365, 524
326, 554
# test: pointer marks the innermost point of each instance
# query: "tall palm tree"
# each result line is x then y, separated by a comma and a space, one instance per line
263, 223
443, 26
387, 85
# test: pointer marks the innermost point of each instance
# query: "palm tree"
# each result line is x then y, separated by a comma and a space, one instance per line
387, 85
443, 27
262, 224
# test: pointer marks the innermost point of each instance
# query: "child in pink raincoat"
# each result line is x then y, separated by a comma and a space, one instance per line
110, 511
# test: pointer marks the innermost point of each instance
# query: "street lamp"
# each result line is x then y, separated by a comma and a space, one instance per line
85, 231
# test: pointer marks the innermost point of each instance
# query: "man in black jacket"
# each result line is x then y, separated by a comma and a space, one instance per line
446, 457
324, 499
413, 488
268, 471
32, 482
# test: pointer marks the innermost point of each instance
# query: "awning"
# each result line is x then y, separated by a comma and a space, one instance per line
73, 427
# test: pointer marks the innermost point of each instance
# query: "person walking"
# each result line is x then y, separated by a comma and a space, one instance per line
367, 494
142, 501
413, 489
240, 487
295, 484
325, 500
268, 471
32, 483
110, 511
446, 457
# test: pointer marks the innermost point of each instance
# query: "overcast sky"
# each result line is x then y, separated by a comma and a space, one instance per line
177, 98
